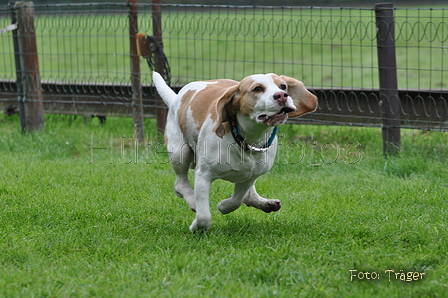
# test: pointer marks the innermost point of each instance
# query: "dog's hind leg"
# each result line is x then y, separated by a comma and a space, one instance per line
253, 199
181, 159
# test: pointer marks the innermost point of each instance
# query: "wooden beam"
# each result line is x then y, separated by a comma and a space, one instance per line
137, 104
387, 69
32, 110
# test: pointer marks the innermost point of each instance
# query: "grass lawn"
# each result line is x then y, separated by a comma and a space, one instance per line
83, 222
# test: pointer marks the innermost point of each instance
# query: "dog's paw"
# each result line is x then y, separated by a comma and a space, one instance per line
272, 206
200, 226
178, 193
191, 202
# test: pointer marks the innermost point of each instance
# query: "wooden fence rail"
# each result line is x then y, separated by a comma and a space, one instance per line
419, 109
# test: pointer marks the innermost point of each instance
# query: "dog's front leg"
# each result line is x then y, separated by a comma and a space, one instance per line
203, 218
253, 199
235, 201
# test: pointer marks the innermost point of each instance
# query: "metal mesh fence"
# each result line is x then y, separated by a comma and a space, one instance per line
84, 54
75, 44
322, 47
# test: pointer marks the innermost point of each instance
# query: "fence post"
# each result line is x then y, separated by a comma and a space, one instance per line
159, 62
15, 40
387, 69
137, 102
28, 77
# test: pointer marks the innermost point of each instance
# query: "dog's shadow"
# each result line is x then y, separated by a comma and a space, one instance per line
257, 227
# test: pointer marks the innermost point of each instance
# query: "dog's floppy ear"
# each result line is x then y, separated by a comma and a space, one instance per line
221, 109
304, 100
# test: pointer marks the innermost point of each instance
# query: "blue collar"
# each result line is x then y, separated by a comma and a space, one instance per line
236, 133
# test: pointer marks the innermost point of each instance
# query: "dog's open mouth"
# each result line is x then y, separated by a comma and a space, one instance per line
276, 119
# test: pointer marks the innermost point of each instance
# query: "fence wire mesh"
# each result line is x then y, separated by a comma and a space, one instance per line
84, 56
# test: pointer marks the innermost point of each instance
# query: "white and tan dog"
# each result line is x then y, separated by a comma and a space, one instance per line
227, 130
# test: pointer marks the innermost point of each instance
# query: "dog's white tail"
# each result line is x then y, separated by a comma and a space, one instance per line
167, 94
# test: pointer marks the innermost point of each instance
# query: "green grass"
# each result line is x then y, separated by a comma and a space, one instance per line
79, 224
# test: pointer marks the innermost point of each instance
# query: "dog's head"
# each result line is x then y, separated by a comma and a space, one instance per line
268, 99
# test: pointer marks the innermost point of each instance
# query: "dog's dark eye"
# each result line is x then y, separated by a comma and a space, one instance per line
257, 89
283, 86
